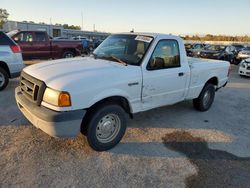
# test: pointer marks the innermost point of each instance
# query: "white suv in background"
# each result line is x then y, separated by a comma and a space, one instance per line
11, 61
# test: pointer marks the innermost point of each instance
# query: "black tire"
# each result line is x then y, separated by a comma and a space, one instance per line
202, 103
68, 54
4, 79
96, 120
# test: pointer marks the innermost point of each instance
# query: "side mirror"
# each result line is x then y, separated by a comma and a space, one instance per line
156, 63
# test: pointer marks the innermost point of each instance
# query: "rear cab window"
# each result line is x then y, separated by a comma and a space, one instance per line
40, 37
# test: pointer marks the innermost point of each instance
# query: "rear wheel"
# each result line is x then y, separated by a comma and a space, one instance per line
4, 79
205, 99
106, 127
68, 54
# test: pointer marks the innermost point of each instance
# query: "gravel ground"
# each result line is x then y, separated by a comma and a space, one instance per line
173, 146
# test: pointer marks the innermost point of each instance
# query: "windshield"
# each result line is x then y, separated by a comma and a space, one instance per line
129, 49
215, 48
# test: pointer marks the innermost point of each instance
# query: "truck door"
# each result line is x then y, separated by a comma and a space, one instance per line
164, 79
24, 40
41, 45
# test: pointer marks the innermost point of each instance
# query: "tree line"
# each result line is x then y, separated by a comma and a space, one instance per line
210, 37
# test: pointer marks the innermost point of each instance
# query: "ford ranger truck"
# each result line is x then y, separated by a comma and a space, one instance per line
38, 45
128, 73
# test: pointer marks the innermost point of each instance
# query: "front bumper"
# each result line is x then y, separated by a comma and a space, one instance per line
244, 71
56, 124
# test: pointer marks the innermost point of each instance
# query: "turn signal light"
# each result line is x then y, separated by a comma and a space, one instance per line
64, 99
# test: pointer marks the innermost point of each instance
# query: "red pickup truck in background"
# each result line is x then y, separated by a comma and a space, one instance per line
38, 45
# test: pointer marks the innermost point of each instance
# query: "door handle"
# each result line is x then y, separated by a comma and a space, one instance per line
181, 74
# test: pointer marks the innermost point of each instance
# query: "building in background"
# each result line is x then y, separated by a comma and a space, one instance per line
53, 30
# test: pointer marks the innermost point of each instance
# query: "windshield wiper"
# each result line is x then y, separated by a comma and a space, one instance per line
111, 57
118, 60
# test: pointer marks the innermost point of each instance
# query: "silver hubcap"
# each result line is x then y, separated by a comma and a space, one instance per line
2, 79
69, 55
207, 98
108, 128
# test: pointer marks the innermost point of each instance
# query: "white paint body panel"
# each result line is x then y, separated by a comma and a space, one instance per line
90, 80
14, 61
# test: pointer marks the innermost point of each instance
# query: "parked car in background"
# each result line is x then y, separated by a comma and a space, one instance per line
195, 47
196, 52
220, 52
11, 61
243, 54
188, 46
244, 69
127, 74
38, 45
61, 38
86, 44
238, 47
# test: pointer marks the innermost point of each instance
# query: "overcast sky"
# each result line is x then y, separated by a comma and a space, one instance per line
166, 16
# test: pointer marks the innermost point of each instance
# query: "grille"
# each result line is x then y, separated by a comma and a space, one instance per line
32, 88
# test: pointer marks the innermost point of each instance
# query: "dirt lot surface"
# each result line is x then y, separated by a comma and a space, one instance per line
173, 146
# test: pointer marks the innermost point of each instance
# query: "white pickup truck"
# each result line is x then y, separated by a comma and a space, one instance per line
128, 73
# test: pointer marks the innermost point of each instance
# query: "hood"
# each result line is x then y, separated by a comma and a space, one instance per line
64, 74
247, 60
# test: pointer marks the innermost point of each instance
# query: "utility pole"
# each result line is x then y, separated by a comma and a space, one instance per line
50, 28
82, 20
94, 27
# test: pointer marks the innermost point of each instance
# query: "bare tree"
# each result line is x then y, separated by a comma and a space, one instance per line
3, 16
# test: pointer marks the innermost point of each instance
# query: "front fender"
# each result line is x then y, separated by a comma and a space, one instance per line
109, 93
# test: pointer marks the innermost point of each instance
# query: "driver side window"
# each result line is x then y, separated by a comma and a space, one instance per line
166, 55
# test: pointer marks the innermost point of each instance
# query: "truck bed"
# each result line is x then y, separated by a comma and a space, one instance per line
202, 69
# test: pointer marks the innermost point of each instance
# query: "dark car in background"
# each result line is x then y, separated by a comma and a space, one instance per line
238, 47
195, 47
220, 52
38, 45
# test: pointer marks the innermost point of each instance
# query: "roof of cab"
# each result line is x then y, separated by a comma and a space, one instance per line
154, 35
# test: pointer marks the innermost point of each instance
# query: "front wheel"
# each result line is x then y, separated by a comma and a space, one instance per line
205, 99
106, 127
68, 54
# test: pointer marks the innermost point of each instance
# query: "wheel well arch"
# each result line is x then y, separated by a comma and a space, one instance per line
4, 66
69, 49
119, 100
213, 80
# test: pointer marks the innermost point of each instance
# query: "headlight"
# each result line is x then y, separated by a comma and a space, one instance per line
243, 64
57, 98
